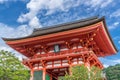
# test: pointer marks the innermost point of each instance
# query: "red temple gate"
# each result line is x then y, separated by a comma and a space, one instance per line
54, 50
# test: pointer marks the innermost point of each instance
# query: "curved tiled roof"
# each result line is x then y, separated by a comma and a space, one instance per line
60, 28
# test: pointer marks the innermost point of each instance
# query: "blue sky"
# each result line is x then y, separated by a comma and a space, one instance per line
19, 17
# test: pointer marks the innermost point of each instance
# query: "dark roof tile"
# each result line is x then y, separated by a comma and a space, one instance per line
60, 27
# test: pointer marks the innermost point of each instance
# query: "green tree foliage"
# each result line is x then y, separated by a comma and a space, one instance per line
11, 68
95, 73
113, 72
82, 73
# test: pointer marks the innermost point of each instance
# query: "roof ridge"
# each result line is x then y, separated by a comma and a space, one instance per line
62, 24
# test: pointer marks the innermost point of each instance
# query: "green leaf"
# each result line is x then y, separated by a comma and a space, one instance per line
11, 68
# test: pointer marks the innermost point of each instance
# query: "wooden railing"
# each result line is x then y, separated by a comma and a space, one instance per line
65, 52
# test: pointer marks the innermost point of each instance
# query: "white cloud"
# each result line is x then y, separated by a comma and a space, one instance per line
116, 37
115, 13
34, 7
114, 25
109, 62
111, 27
117, 61
7, 48
3, 31
2, 1
97, 3
20, 31
119, 42
10, 32
93, 3
105, 65
107, 2
35, 23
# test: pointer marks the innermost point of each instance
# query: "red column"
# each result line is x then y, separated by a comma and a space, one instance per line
70, 64
57, 78
32, 73
50, 77
87, 64
44, 73
70, 69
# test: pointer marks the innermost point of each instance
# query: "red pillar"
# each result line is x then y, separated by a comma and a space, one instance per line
50, 77
44, 73
32, 73
70, 69
87, 64
57, 78
70, 64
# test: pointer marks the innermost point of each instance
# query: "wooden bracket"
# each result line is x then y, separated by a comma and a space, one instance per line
43, 63
69, 59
